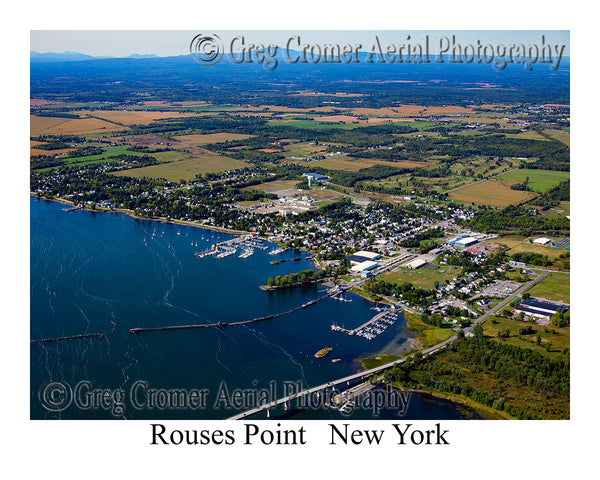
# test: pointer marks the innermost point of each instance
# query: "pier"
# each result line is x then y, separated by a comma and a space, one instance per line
72, 337
229, 324
72, 209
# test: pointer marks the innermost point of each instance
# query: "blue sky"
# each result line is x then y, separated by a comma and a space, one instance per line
120, 43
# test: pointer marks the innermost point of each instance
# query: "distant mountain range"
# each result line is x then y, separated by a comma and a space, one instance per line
75, 57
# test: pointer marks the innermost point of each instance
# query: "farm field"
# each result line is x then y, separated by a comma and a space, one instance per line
70, 126
352, 164
168, 156
38, 151
556, 286
539, 180
212, 138
412, 110
423, 277
133, 117
186, 169
561, 136
530, 135
145, 140
359, 120
311, 124
490, 192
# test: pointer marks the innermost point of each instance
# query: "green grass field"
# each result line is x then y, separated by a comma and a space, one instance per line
100, 158
303, 149
423, 277
559, 338
552, 253
556, 286
539, 180
381, 359
428, 335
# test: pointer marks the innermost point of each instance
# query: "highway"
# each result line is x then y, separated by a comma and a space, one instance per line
366, 373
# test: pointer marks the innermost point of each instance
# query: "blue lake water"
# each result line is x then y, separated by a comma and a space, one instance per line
108, 272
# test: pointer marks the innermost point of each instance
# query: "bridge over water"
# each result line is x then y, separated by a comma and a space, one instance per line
363, 375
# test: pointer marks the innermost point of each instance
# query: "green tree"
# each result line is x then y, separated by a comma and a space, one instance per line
478, 331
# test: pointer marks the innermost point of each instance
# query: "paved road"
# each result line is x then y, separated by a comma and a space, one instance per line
366, 373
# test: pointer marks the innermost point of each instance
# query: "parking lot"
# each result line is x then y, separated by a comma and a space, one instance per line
499, 289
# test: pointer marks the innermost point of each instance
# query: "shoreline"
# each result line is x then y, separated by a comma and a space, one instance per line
488, 413
413, 341
484, 411
158, 219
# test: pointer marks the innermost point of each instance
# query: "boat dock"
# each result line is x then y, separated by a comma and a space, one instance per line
72, 209
72, 337
247, 244
373, 327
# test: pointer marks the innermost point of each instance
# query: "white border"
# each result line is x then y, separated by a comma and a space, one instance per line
115, 449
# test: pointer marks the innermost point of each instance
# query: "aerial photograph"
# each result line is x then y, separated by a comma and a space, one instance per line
300, 225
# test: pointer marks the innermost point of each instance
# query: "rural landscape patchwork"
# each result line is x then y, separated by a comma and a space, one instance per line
211, 241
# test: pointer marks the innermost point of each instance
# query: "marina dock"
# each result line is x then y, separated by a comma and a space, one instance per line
373, 327
247, 244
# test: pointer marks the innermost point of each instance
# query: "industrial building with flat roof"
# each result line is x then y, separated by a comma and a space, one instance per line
416, 263
363, 256
477, 250
542, 241
538, 308
465, 242
364, 266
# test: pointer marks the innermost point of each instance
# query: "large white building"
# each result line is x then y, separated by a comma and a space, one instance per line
416, 263
364, 266
363, 256
542, 241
